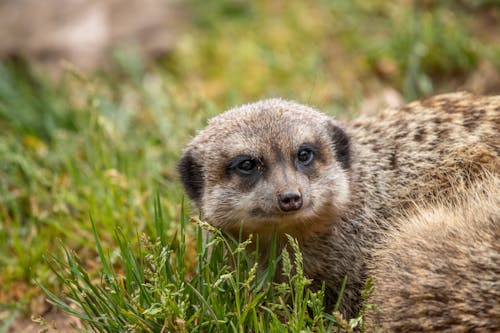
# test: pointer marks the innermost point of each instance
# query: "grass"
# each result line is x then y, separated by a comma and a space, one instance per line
158, 291
104, 144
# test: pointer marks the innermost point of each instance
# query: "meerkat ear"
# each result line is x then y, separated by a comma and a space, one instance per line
341, 144
191, 174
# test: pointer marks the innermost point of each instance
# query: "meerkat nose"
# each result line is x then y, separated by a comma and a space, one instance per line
291, 200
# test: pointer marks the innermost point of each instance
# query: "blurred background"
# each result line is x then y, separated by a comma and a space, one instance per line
98, 97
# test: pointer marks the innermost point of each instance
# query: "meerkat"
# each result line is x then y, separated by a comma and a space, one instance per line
440, 270
279, 166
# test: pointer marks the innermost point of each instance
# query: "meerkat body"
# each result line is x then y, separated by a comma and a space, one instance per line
280, 166
440, 270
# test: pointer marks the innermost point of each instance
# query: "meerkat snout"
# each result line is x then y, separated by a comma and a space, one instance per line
290, 201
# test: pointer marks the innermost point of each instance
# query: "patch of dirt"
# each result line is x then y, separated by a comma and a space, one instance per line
53, 321
382, 99
484, 80
84, 32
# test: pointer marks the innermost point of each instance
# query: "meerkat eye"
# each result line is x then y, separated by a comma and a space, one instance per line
305, 156
247, 167
243, 165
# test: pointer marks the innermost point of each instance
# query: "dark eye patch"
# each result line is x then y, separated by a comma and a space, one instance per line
248, 168
244, 165
311, 147
306, 154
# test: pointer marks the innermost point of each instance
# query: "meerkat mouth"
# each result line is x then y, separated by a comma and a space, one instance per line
279, 214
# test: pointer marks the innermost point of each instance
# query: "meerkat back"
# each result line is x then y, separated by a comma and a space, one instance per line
440, 272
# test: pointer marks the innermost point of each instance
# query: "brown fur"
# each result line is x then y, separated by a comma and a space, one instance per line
363, 175
440, 271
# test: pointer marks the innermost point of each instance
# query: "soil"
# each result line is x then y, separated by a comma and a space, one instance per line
53, 321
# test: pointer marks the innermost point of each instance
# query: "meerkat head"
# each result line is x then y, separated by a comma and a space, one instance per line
270, 165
